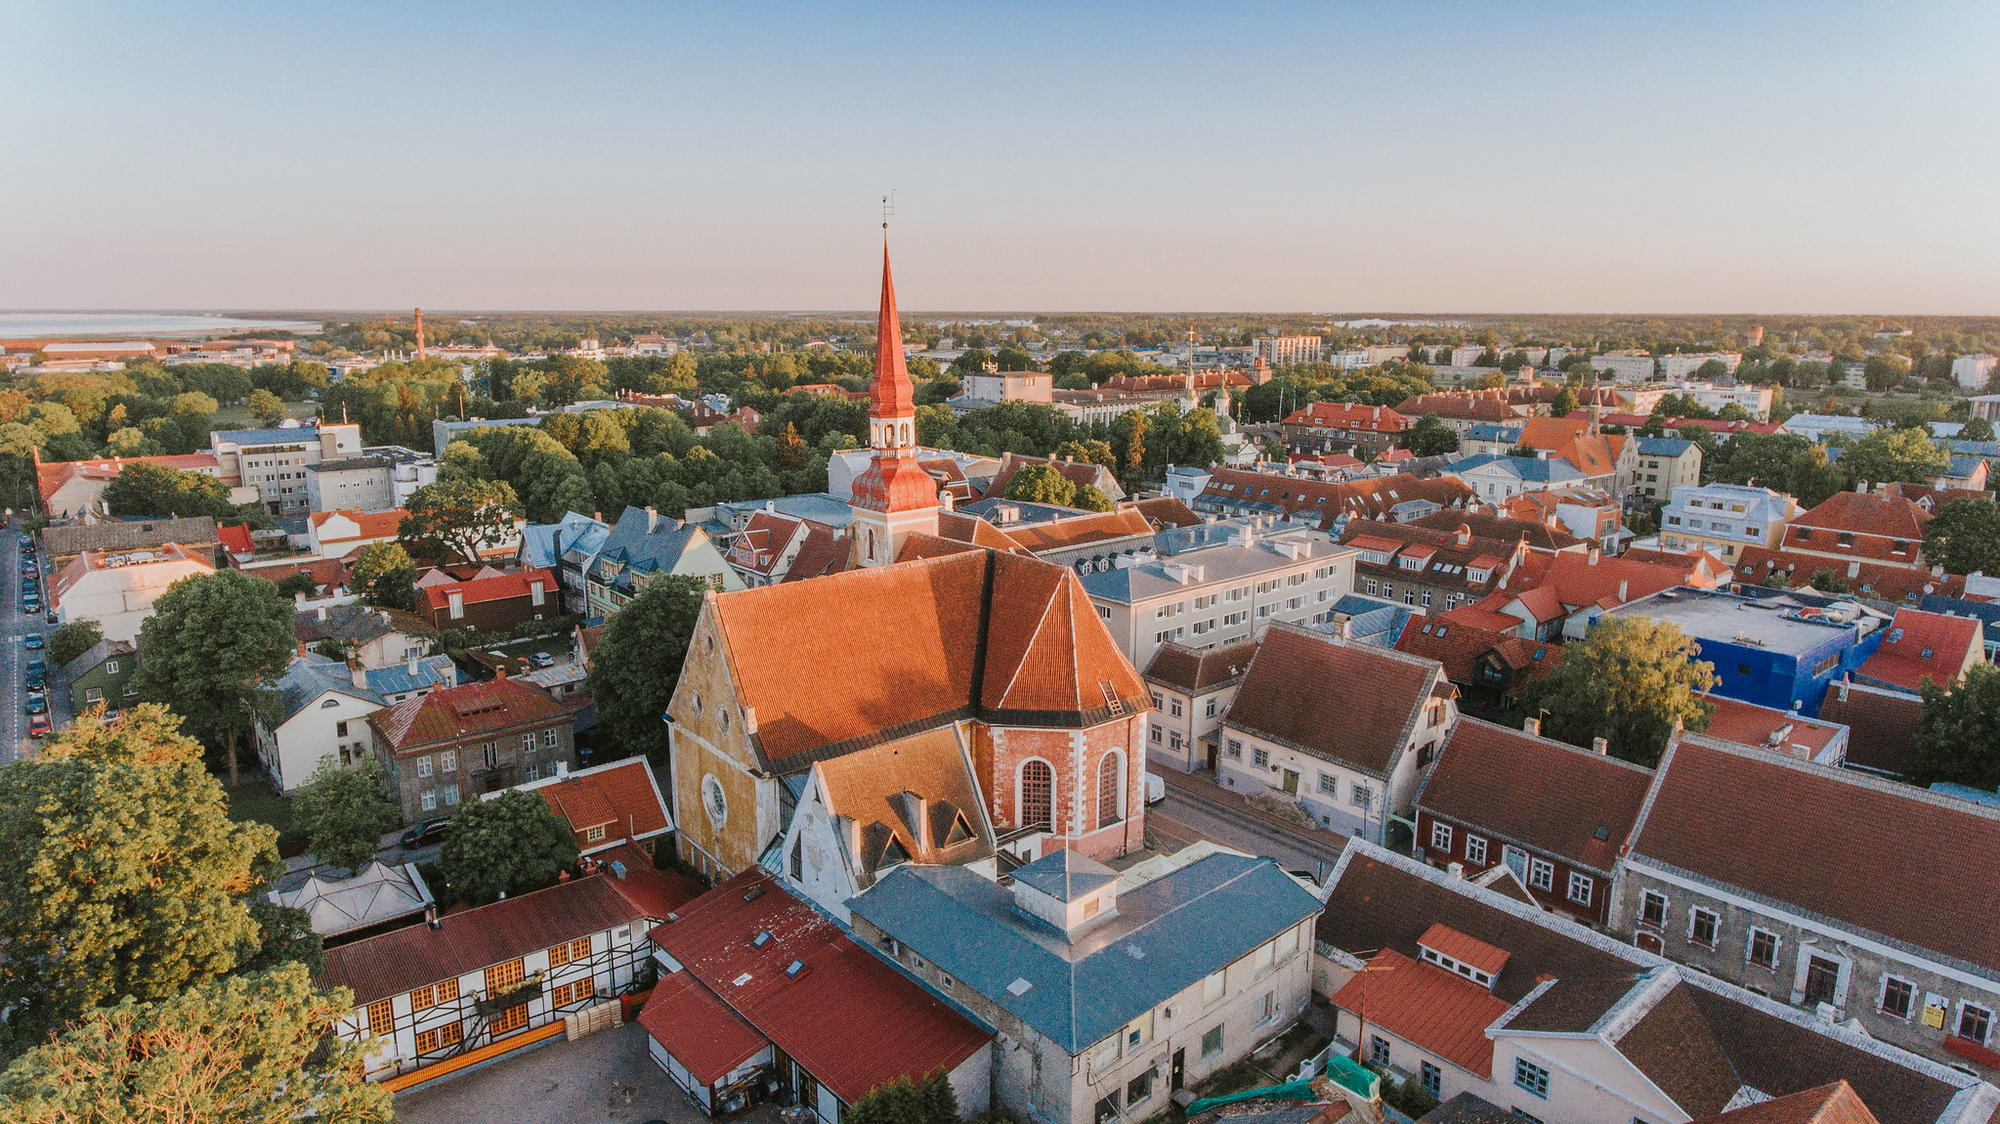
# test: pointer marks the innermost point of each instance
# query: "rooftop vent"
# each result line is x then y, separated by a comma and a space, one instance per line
761, 939
795, 969
1020, 987
754, 893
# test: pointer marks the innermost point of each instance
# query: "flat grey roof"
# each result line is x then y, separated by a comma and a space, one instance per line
1709, 615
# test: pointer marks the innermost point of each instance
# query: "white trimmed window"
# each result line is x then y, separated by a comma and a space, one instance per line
1541, 874
1579, 888
1441, 836
1703, 927
1475, 849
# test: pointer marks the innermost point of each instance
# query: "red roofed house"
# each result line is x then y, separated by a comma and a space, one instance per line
440, 748
1760, 727
1575, 589
433, 991
763, 999
1464, 410
1344, 427
1192, 688
607, 806
494, 603
1487, 666
1605, 461
1556, 815
75, 489
1922, 647
1893, 582
1881, 725
1434, 570
1344, 728
333, 534
1005, 647
1868, 526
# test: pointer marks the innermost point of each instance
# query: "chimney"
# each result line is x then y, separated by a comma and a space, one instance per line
1600, 746
321, 612
357, 673
1593, 556
1622, 584
299, 601
1532, 726
652, 520
1842, 688
1456, 870
1854, 569
1464, 535
431, 916
412, 666
1861, 488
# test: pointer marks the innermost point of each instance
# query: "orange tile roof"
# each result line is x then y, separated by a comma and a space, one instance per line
825, 551
1465, 949
1883, 581
1487, 619
236, 539
1867, 513
369, 524
960, 527
464, 711
52, 475
1081, 530
1572, 440
499, 587
1760, 726
838, 663
1837, 1103
918, 791
328, 572
1922, 646
622, 796
1427, 1006
1352, 415
1167, 511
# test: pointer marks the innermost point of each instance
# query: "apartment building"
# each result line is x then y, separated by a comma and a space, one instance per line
1221, 594
274, 461
1725, 519
1679, 366
1191, 689
1280, 350
1662, 466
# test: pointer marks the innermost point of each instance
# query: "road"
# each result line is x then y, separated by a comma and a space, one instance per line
14, 628
1294, 851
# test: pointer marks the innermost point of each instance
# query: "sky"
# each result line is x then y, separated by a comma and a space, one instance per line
1403, 156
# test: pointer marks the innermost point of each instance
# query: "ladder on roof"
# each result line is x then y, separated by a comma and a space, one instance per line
1111, 699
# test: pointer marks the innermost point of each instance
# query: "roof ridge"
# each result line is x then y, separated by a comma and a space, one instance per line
1841, 775
1544, 740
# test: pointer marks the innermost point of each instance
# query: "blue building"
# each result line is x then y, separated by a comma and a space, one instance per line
1771, 651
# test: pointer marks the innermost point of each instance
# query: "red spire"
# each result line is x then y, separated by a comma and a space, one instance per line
890, 394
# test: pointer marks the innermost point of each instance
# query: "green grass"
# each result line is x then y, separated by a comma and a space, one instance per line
238, 416
254, 801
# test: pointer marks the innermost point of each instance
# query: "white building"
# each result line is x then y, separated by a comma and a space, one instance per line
274, 460
1280, 350
1817, 427
321, 706
1624, 366
1681, 365
1973, 372
118, 590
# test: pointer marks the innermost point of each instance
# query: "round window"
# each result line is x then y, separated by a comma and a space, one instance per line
713, 801
722, 718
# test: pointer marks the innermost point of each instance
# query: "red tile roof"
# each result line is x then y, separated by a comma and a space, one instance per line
395, 962
1481, 406
1881, 581
1501, 528
622, 797
1427, 1006
1167, 511
52, 475
1837, 1103
1369, 498
1572, 440
1877, 521
468, 710
1881, 724
1350, 415
1592, 579
500, 587
328, 572
370, 524
235, 539
1457, 646
1082, 530
1485, 619
813, 1014
1367, 723
1465, 949
838, 663
1760, 727
1674, 425
1921, 646
1076, 472
825, 551
1541, 794
1860, 851
1192, 671
698, 1028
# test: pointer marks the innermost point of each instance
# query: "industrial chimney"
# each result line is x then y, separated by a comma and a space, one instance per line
420, 333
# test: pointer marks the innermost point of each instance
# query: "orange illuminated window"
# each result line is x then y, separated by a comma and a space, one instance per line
381, 1018
423, 999
447, 990
559, 956
501, 977
579, 948
585, 988
513, 1018
560, 996
440, 1038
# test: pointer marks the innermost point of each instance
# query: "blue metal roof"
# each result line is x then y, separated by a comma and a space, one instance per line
275, 436
432, 670
579, 532
1538, 469
1065, 875
645, 543
1167, 935
1489, 431
1663, 446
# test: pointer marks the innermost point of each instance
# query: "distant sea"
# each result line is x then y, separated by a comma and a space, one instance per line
39, 325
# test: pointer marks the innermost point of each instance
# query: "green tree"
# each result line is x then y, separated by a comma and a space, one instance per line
1564, 405
972, 361
1041, 483
457, 518
145, 488
72, 640
1963, 536
1089, 452
1887, 456
1828, 581
194, 403
385, 574
1128, 440
291, 585
343, 813
123, 873
790, 453
1977, 429
1958, 737
1197, 441
241, 1050
1090, 498
1015, 359
265, 406
638, 662
511, 844
210, 644
1626, 682
1430, 437
902, 1101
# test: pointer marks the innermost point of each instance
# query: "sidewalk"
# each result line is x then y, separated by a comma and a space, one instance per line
1200, 787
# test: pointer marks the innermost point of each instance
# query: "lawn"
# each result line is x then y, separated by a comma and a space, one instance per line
238, 416
255, 801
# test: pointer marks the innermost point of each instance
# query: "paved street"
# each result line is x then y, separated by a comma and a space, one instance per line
14, 629
1294, 851
605, 1078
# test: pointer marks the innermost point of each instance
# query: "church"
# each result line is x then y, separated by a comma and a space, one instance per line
980, 661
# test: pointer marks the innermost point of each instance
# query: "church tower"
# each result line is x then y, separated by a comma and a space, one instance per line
894, 497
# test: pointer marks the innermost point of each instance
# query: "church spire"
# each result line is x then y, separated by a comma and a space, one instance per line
892, 407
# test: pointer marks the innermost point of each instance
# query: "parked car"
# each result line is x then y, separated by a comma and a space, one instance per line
38, 725
35, 664
35, 641
38, 703
543, 659
37, 680
426, 833
52, 618
1156, 788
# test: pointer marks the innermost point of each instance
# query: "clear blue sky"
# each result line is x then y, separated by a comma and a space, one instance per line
1407, 156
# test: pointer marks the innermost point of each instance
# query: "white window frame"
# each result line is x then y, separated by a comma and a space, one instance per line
1475, 843
1541, 874
1584, 882
1440, 836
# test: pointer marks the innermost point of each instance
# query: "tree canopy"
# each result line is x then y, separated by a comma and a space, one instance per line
1626, 682
902, 1101
210, 645
123, 873
145, 488
1041, 483
386, 575
1958, 737
1963, 536
456, 518
344, 812
638, 662
72, 640
510, 844
1888, 456
241, 1050
1430, 437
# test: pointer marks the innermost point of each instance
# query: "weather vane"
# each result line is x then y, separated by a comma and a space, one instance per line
888, 207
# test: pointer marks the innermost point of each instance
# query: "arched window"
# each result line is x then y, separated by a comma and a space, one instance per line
1038, 784
1108, 776
906, 433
